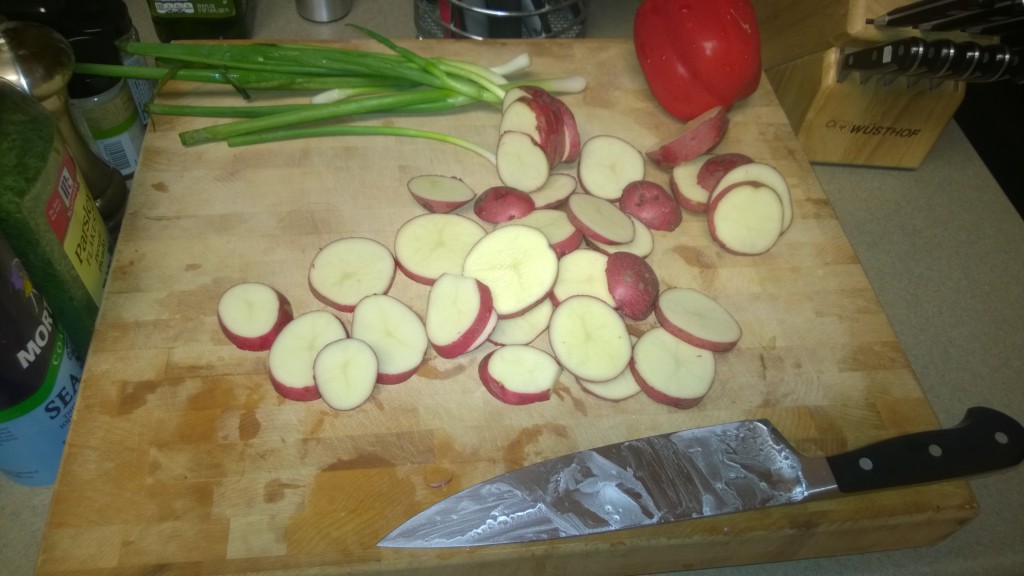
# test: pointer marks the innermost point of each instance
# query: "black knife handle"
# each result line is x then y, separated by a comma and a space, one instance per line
984, 441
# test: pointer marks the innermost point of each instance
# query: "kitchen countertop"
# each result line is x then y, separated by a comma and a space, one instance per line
941, 245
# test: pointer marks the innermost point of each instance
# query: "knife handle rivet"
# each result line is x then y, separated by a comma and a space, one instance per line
866, 464
935, 450
1002, 438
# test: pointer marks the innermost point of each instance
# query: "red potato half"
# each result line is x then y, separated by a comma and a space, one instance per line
746, 218
589, 338
556, 227
633, 285
345, 372
524, 328
698, 136
599, 220
682, 182
459, 311
430, 245
519, 374
347, 270
765, 174
252, 314
395, 333
517, 263
555, 191
697, 319
582, 273
670, 371
440, 194
501, 204
522, 163
642, 243
650, 203
291, 358
607, 164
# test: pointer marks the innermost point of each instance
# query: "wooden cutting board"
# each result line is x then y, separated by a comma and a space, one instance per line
183, 460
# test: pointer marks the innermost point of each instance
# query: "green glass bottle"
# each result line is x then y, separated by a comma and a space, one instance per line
202, 19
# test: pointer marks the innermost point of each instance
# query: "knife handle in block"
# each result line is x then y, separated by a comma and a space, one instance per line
984, 441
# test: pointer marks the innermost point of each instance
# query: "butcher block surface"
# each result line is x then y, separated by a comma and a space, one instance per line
182, 459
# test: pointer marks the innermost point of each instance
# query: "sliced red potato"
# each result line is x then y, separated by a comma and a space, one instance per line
599, 220
440, 194
698, 136
582, 273
589, 338
717, 166
619, 388
746, 218
347, 270
345, 372
519, 374
650, 203
538, 118
395, 333
607, 164
690, 195
432, 244
556, 227
522, 163
642, 243
697, 319
517, 263
633, 285
765, 174
670, 371
252, 314
555, 191
524, 328
459, 315
291, 357
570, 130
501, 204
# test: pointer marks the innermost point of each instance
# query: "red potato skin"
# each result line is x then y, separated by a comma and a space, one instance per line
716, 167
711, 216
389, 379
689, 338
633, 285
503, 394
548, 126
698, 136
659, 396
465, 342
413, 276
587, 232
570, 130
685, 202
501, 204
262, 343
438, 206
651, 204
303, 394
570, 243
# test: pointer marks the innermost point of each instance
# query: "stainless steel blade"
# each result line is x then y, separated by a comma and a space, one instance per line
654, 480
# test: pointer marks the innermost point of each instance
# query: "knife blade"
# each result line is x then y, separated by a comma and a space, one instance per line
695, 473
1000, 11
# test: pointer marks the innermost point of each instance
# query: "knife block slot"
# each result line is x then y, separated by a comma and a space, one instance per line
870, 122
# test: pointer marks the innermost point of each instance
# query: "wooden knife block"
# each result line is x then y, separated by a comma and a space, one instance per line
859, 122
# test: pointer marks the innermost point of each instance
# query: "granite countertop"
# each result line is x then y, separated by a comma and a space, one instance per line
941, 245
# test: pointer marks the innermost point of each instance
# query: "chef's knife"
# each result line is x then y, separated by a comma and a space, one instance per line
694, 473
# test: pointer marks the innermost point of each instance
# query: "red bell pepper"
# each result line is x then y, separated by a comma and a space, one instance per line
697, 54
